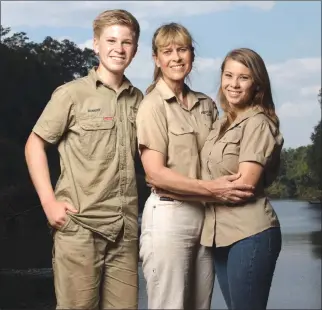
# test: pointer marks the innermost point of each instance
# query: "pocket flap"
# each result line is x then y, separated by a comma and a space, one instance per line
231, 137
181, 129
97, 123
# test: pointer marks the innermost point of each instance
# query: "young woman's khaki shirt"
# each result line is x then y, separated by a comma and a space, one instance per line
176, 131
252, 137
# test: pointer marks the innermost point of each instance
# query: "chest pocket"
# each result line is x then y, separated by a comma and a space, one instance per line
182, 140
229, 145
98, 138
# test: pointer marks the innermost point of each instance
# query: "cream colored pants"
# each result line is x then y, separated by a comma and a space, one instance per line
178, 270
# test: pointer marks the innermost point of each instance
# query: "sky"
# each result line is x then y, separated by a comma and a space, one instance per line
287, 34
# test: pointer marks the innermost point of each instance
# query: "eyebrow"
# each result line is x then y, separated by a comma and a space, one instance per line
115, 38
226, 71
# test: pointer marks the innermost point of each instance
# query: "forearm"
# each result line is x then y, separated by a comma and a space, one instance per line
170, 180
37, 163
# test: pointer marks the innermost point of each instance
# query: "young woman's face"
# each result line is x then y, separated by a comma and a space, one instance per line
175, 62
237, 84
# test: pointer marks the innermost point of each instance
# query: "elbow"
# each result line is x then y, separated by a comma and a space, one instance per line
154, 178
28, 146
34, 143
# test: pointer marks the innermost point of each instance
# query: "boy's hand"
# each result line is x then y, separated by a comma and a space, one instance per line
56, 212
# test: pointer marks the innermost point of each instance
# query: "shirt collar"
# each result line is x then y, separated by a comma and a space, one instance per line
252, 111
167, 94
126, 84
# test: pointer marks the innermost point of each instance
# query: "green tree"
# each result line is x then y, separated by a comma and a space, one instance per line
315, 152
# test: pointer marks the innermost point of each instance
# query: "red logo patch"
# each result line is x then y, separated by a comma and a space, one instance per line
107, 118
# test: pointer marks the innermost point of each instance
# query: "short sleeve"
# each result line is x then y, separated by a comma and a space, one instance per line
260, 143
151, 124
57, 116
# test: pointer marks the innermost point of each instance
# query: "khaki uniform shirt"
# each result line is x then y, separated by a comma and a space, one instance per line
94, 128
252, 137
176, 131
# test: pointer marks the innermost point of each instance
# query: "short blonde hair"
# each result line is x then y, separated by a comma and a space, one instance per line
116, 17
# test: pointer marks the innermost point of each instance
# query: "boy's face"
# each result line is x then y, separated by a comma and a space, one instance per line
116, 48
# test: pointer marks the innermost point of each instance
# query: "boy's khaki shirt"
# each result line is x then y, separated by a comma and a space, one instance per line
176, 131
252, 137
94, 128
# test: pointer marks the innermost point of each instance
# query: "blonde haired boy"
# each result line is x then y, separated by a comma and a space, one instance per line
93, 209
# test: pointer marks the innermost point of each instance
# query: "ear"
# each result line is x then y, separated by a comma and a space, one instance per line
135, 50
156, 60
96, 45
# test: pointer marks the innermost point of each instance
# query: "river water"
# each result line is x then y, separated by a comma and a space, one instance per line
296, 284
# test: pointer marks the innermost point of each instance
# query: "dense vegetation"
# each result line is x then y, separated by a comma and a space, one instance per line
300, 173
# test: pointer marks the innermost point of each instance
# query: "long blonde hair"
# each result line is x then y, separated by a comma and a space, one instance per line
263, 94
165, 35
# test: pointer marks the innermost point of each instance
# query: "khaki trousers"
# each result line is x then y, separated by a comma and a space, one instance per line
178, 270
91, 272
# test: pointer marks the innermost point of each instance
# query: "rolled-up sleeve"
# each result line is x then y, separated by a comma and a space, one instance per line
152, 126
57, 116
260, 143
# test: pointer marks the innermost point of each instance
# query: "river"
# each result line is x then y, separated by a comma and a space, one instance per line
296, 284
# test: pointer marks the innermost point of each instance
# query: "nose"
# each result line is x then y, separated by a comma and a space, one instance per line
235, 82
119, 47
176, 56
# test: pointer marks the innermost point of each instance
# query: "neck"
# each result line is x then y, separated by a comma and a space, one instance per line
177, 87
113, 80
238, 110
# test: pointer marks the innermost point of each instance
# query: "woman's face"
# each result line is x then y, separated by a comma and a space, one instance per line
175, 62
237, 84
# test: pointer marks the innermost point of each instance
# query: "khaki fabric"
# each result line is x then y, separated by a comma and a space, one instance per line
106, 276
94, 128
166, 126
252, 137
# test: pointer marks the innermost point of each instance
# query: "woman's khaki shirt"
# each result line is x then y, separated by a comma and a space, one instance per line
252, 137
176, 131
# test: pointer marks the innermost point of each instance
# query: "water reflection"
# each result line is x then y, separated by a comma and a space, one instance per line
296, 285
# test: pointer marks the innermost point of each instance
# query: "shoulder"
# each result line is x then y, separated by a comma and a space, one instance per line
73, 86
261, 121
137, 92
153, 99
204, 99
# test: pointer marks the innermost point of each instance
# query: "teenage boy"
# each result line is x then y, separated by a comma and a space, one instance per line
94, 207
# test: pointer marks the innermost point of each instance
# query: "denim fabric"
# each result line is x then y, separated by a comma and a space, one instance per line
245, 269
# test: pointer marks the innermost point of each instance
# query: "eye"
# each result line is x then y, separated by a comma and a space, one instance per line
245, 78
227, 75
111, 41
166, 52
127, 43
183, 49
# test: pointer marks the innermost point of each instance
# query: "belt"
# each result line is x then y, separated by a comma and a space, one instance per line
166, 199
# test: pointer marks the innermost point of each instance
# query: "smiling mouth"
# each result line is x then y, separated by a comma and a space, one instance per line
117, 58
177, 67
232, 92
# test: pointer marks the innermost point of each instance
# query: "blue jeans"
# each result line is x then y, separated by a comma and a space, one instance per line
245, 269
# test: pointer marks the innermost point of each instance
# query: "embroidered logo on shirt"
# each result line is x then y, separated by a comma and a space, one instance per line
207, 112
94, 110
